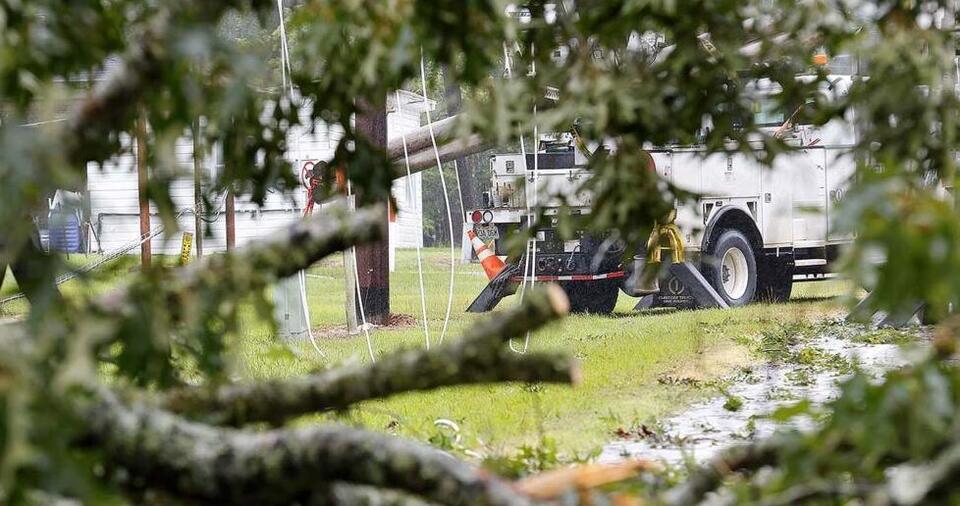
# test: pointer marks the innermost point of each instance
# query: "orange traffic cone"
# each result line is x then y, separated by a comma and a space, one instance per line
492, 265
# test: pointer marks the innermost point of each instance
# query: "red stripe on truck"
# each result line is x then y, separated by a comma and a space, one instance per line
575, 277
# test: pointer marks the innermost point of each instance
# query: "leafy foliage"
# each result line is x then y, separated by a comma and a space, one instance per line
640, 72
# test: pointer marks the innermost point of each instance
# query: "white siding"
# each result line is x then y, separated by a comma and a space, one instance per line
407, 232
112, 191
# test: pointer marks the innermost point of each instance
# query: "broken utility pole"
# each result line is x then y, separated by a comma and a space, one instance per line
373, 260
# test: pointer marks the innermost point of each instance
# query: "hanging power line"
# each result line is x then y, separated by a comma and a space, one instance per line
446, 201
410, 198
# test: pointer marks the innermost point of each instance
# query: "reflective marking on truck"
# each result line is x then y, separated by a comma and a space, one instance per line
575, 277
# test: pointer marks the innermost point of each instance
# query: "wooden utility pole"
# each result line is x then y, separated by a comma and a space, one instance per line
231, 221
229, 156
142, 180
197, 193
373, 260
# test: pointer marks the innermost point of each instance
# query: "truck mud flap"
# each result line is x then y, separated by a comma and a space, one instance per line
684, 287
498, 288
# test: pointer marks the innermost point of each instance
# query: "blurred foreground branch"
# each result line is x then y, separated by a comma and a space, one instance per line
710, 476
91, 127
228, 466
479, 357
298, 247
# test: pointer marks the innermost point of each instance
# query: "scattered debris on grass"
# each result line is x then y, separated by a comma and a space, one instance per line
805, 364
733, 403
670, 379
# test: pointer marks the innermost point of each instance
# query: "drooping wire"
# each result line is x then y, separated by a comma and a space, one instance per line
463, 210
302, 275
446, 201
410, 197
285, 68
530, 255
106, 257
536, 205
284, 51
363, 315
356, 278
531, 247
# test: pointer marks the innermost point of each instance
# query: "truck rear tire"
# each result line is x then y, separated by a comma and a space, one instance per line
592, 297
731, 268
775, 281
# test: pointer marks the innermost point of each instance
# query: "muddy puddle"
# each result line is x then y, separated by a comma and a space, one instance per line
703, 429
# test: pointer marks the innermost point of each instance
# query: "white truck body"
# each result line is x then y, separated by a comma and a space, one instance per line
790, 205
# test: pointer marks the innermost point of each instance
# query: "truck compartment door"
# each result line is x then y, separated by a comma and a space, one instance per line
840, 168
809, 196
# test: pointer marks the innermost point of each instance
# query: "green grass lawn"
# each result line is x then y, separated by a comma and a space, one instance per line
636, 366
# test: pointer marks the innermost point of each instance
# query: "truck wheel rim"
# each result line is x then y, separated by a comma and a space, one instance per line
734, 273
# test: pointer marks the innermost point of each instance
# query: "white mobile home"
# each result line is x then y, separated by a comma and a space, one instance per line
113, 197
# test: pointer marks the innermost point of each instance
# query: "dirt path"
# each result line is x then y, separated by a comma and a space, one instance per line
813, 373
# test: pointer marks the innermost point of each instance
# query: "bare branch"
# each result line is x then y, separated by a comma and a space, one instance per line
202, 462
479, 357
282, 255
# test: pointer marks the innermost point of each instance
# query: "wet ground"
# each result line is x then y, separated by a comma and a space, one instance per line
741, 414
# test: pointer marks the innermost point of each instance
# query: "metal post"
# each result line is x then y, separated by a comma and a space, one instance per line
141, 139
373, 260
197, 191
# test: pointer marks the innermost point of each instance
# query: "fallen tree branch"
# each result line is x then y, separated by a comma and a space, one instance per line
157, 449
479, 357
711, 475
359, 495
279, 256
916, 484
553, 485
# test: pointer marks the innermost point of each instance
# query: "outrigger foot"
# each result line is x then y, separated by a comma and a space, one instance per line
498, 288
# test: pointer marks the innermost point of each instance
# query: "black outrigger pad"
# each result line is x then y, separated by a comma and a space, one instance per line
862, 313
646, 302
902, 319
701, 290
695, 286
498, 288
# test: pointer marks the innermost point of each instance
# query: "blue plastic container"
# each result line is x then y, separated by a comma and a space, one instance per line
64, 232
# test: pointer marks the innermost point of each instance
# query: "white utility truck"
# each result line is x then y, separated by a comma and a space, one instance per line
754, 231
